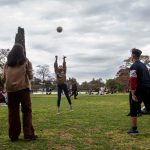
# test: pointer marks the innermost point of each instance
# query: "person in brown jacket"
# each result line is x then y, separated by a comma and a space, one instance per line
60, 72
17, 75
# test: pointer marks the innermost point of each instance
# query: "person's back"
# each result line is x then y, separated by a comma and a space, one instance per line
17, 77
139, 88
143, 76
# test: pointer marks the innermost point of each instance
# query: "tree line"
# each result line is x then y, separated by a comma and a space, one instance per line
45, 82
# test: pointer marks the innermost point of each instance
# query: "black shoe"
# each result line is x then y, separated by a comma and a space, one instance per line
14, 139
32, 138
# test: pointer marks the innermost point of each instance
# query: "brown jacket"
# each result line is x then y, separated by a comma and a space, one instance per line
18, 77
60, 76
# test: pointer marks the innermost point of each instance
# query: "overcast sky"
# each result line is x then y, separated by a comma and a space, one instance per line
97, 35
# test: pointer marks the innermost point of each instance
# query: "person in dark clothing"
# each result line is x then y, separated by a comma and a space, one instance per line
17, 75
139, 87
60, 72
139, 112
74, 90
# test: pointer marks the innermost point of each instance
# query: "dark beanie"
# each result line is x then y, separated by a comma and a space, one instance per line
136, 52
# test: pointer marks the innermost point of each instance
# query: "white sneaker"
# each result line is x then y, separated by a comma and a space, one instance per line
58, 111
71, 108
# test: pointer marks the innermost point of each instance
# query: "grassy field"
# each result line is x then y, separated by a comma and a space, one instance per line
97, 123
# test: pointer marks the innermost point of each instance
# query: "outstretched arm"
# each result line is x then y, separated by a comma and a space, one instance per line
55, 64
64, 64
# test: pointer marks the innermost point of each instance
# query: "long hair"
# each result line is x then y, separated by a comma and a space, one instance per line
16, 56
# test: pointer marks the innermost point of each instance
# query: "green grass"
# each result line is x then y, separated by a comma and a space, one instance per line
97, 123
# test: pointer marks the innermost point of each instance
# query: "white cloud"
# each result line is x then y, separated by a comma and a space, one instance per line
97, 35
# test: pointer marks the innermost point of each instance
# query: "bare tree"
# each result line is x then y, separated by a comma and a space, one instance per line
122, 76
3, 56
43, 73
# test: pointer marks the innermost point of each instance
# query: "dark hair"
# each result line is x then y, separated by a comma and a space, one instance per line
136, 52
16, 56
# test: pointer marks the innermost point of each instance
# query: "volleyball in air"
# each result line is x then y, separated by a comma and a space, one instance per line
59, 29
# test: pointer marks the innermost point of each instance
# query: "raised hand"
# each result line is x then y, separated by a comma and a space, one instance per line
64, 57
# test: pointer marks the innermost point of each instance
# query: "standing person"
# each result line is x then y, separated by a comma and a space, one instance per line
60, 72
17, 75
139, 87
74, 90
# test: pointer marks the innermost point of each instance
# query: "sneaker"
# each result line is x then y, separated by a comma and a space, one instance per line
71, 108
133, 132
58, 111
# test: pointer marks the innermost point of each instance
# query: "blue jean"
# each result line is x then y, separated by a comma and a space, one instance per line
60, 88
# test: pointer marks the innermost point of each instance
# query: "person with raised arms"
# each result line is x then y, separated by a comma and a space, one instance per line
60, 72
